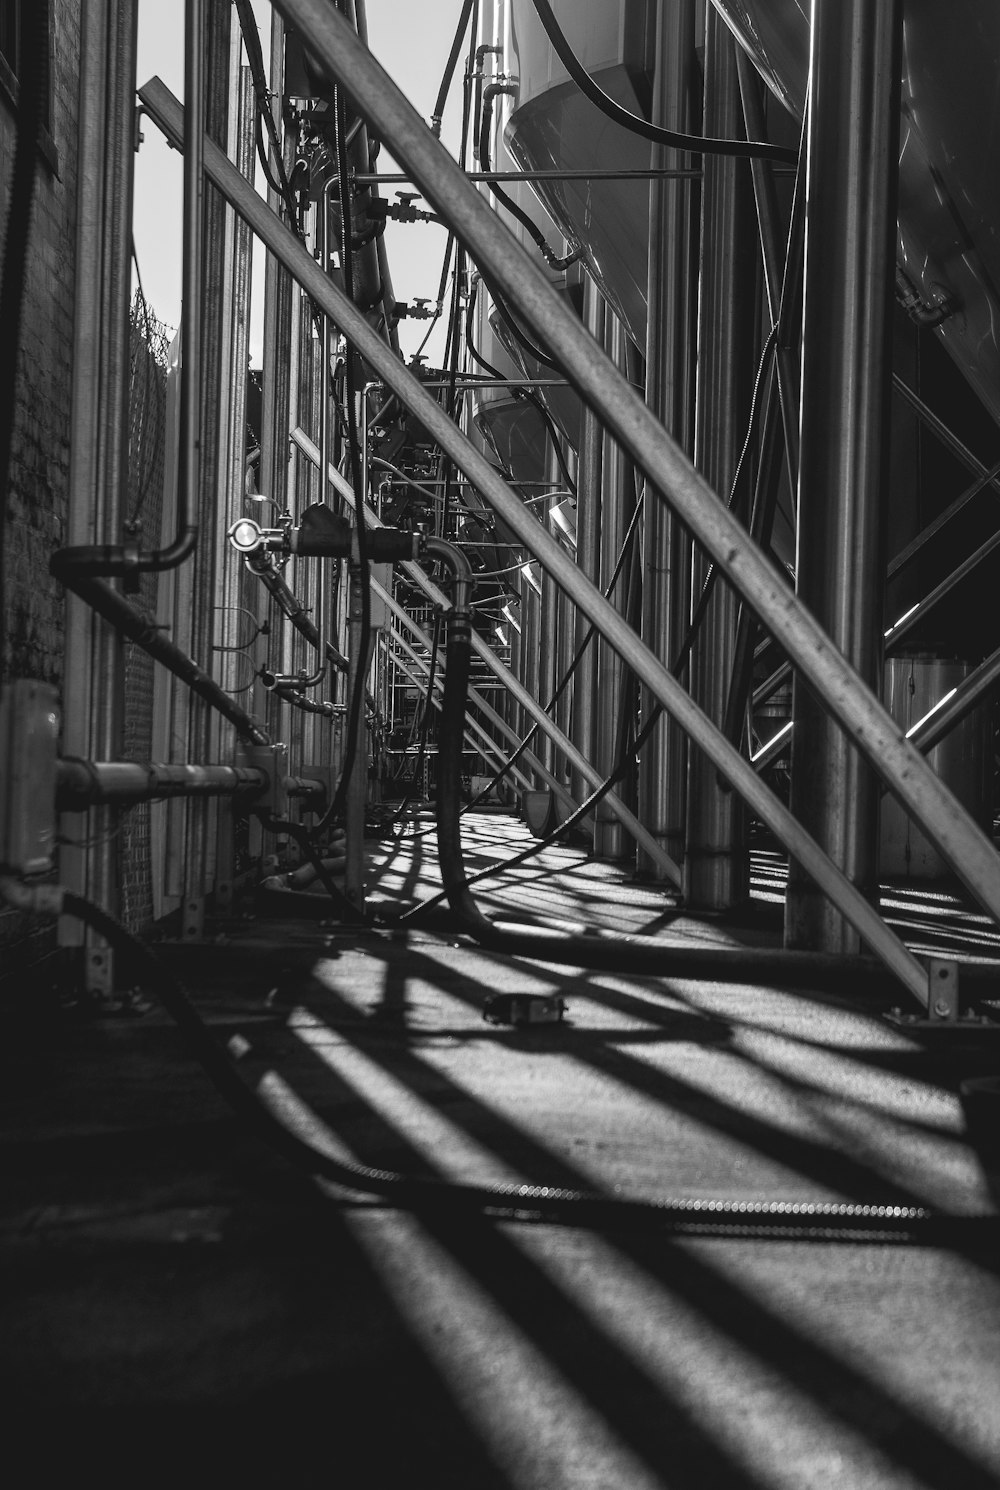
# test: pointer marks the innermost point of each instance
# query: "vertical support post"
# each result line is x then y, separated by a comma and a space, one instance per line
276, 362
846, 367
92, 703
209, 57
670, 331
717, 873
617, 509
231, 623
588, 534
547, 642
358, 652
531, 610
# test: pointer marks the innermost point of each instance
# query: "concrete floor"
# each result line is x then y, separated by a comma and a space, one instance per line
182, 1308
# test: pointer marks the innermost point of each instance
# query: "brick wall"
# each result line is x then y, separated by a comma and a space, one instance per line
36, 497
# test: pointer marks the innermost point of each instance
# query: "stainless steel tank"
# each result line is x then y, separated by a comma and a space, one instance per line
949, 200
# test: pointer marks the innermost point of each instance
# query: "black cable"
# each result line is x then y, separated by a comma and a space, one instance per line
698, 144
534, 232
450, 65
518, 335
32, 96
267, 1111
255, 57
462, 154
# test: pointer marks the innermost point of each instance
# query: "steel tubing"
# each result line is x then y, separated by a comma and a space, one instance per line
81, 783
753, 573
476, 698
846, 369
588, 538
671, 305
981, 683
527, 700
717, 866
474, 733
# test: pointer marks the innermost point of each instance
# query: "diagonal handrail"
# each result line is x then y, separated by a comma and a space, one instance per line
648, 442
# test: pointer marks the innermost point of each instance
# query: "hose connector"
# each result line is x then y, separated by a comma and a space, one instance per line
462, 576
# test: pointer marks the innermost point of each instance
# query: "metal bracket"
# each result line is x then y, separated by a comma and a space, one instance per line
943, 1006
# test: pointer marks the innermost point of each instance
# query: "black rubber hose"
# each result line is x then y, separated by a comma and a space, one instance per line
450, 65
267, 1111
698, 144
534, 232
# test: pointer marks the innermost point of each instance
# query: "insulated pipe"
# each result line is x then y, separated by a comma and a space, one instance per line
81, 784
851, 140
958, 839
527, 700
717, 867
670, 342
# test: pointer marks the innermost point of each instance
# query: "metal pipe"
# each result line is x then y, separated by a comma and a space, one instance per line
107, 602
618, 502
933, 528
717, 867
957, 838
780, 276
945, 435
385, 178
527, 700
81, 868
670, 342
900, 630
82, 783
979, 685
851, 140
359, 653
590, 455
119, 559
483, 742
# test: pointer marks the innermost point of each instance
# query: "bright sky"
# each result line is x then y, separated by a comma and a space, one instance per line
412, 42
